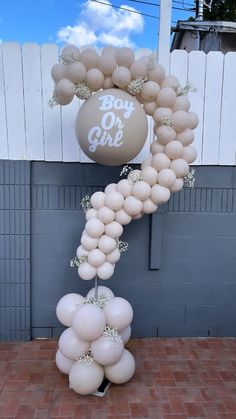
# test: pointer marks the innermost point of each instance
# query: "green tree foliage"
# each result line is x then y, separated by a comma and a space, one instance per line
221, 10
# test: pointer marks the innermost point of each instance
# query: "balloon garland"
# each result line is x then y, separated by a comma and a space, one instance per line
111, 127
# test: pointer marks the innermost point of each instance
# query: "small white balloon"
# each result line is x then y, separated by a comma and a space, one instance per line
114, 200
146, 163
149, 175
105, 271
193, 120
67, 306
174, 149
86, 378
106, 351
106, 244
141, 190
122, 217
123, 370
91, 213
156, 147
165, 134
63, 364
97, 200
124, 187
125, 334
89, 322
177, 186
180, 167
71, 346
186, 137
86, 271
81, 251
132, 205
166, 177
189, 154
118, 312
114, 256
89, 243
160, 161
114, 229
110, 188
106, 215
160, 194
149, 207
150, 91
96, 258
94, 227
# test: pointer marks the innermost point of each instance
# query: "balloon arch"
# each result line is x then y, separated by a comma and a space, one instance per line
111, 127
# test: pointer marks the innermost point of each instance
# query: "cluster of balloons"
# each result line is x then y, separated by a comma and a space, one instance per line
92, 346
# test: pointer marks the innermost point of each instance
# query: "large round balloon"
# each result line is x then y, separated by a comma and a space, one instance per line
111, 127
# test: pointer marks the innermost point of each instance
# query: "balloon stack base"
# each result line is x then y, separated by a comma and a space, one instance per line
102, 390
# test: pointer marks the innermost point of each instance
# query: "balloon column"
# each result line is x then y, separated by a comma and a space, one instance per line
111, 127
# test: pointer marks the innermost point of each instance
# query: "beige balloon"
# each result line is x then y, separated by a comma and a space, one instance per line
107, 124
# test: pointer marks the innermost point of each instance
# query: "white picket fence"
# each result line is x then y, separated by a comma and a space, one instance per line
31, 130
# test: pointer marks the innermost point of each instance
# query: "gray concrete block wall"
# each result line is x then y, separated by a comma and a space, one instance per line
179, 272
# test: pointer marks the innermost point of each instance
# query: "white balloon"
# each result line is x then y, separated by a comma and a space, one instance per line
123, 370
124, 187
86, 378
105, 271
106, 215
89, 322
106, 351
114, 230
150, 175
146, 163
106, 244
160, 161
81, 251
71, 346
141, 190
110, 188
114, 256
89, 243
97, 200
132, 205
118, 312
125, 334
86, 271
67, 306
122, 217
149, 207
94, 227
96, 258
180, 167
63, 364
114, 200
166, 177
91, 213
101, 290
177, 186
160, 194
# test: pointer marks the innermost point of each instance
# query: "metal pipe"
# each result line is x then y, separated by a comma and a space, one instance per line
199, 9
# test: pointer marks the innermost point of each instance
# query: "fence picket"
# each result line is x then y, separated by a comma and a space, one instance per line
179, 66
14, 100
4, 150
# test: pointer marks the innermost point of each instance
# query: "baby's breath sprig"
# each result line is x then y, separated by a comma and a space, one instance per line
85, 358
53, 101
152, 61
134, 177
86, 203
189, 179
82, 90
121, 245
76, 262
113, 334
136, 85
100, 301
167, 121
68, 59
125, 170
183, 91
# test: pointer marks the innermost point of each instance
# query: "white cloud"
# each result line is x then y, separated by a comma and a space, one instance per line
100, 25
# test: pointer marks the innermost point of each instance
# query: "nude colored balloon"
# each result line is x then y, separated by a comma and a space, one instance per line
141, 190
156, 147
177, 186
146, 163
133, 174
124, 187
193, 120
160, 161
150, 107
157, 74
170, 81
118, 312
97, 200
67, 306
160, 194
65, 88
189, 154
125, 334
89, 243
105, 271
114, 256
94, 227
180, 167
166, 177
96, 258
122, 217
70, 53
181, 104
149, 207
101, 290
106, 125
106, 244
110, 50
132, 205
139, 68
89, 322
95, 79
71, 346
114, 200
123, 370
62, 100
180, 120
125, 56
138, 216
76, 72
86, 271
174, 149
185, 137
108, 83
150, 91
106, 215
161, 114
166, 97
149, 175
121, 77
63, 364
58, 72
105, 351
86, 378
111, 187
114, 229
91, 213
107, 64
89, 58
165, 134
81, 251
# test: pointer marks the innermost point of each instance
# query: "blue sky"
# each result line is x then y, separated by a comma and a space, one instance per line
84, 22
